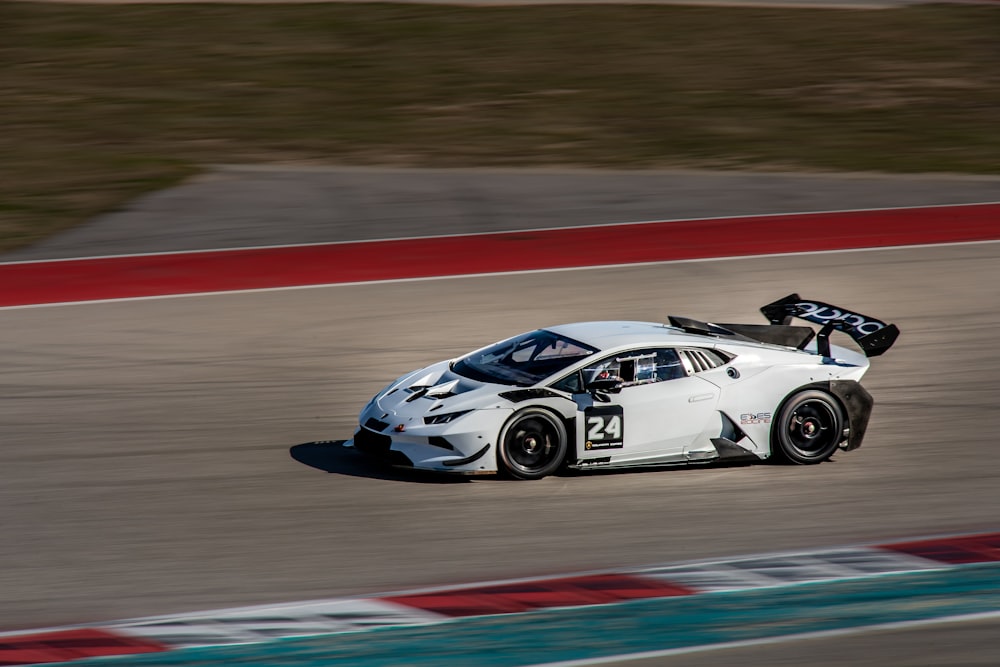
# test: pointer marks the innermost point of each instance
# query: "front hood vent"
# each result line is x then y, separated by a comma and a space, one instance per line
444, 385
435, 383
445, 389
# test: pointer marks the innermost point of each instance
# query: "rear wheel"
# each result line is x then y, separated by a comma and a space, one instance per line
532, 444
809, 428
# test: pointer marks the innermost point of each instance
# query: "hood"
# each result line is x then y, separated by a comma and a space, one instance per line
436, 390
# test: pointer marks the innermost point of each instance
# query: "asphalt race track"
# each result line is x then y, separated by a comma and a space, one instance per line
161, 456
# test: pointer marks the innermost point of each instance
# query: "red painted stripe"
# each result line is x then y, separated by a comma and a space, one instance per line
66, 645
565, 592
231, 270
954, 550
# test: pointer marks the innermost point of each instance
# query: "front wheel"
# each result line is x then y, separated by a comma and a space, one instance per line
809, 428
532, 444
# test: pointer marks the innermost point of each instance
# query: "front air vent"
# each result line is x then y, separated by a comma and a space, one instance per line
375, 424
374, 444
518, 395
440, 395
438, 441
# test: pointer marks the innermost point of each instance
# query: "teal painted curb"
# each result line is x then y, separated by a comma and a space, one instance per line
554, 635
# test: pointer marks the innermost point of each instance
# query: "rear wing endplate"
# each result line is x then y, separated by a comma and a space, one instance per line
872, 335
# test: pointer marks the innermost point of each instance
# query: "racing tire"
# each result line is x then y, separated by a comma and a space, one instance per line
809, 428
532, 444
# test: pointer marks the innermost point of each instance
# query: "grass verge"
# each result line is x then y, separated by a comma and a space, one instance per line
101, 103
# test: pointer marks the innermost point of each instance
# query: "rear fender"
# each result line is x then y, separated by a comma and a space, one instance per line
853, 399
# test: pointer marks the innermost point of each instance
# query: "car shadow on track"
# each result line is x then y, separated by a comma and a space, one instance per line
331, 456
676, 468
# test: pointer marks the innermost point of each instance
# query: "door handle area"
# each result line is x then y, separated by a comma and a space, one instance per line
700, 397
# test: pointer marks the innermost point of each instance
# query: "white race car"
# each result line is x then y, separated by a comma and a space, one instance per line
621, 394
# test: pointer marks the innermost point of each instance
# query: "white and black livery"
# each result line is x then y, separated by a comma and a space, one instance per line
621, 394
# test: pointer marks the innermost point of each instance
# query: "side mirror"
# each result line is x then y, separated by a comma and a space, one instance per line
611, 385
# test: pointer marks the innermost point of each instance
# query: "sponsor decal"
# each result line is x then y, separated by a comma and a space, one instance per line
603, 445
755, 418
821, 313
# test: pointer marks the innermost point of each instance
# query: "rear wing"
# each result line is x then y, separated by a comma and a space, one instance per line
872, 335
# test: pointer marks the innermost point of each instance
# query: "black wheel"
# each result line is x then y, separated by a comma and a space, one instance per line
532, 444
809, 428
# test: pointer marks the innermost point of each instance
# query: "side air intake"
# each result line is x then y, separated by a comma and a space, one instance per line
702, 360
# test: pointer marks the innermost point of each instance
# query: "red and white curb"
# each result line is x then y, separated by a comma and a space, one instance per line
250, 625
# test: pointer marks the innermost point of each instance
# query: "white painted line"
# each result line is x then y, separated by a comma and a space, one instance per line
253, 625
240, 625
787, 569
502, 273
508, 231
865, 629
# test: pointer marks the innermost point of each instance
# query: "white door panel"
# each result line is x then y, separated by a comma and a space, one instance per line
656, 420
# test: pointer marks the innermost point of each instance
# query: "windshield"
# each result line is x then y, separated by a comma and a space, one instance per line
523, 360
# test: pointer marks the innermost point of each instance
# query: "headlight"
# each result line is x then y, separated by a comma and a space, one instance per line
445, 418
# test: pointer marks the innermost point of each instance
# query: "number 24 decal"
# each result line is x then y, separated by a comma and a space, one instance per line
602, 428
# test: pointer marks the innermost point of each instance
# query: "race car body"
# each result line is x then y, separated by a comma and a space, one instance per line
620, 394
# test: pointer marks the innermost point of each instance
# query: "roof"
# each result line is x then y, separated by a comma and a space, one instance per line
625, 334
606, 335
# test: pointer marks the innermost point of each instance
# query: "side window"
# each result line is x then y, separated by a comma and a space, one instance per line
570, 384
654, 366
669, 366
634, 367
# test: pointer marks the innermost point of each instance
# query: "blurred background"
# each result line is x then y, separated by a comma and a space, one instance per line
104, 102
146, 447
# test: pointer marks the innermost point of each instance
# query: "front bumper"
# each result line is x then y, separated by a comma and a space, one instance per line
467, 447
379, 447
